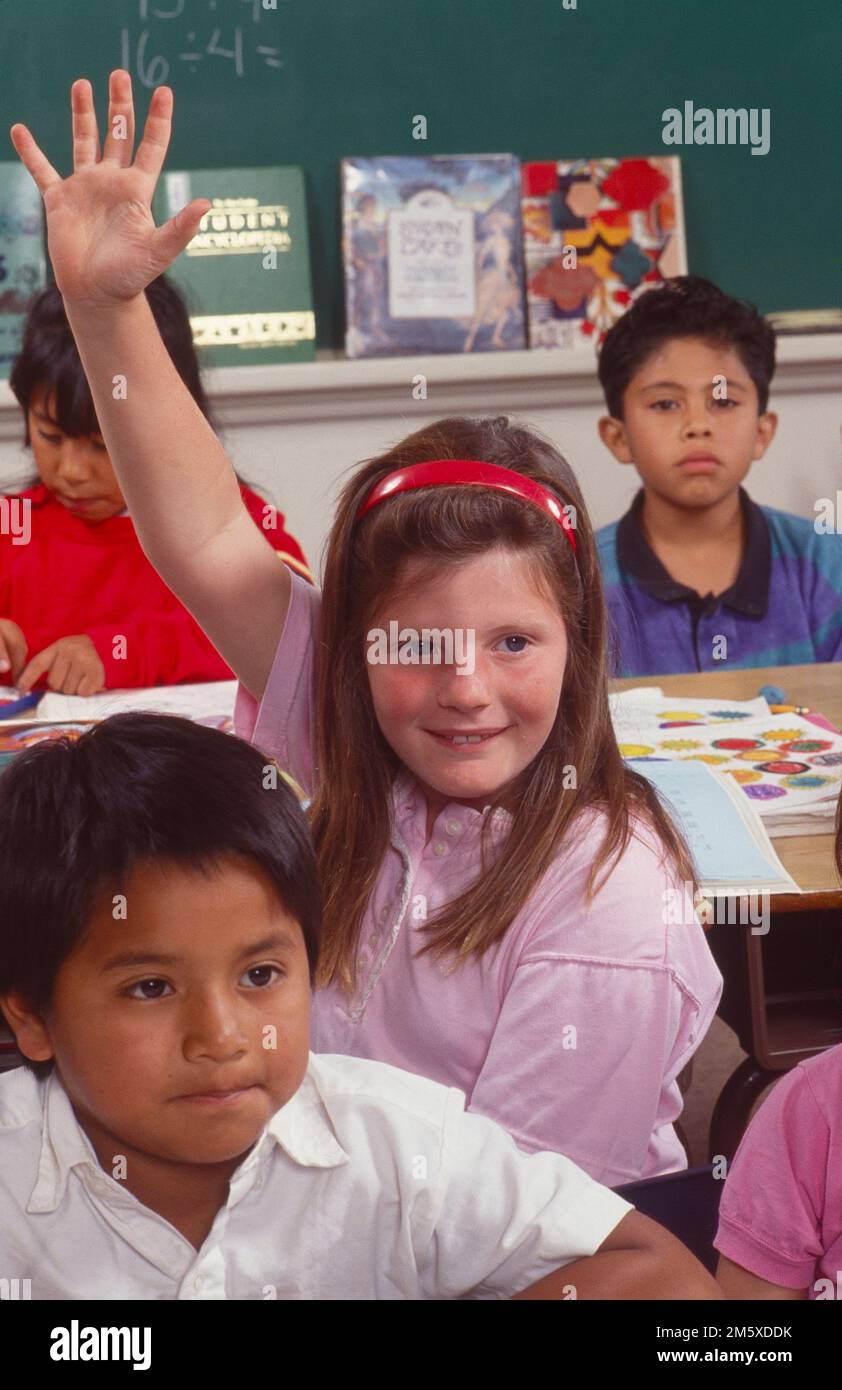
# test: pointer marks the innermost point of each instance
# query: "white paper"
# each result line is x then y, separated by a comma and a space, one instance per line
192, 701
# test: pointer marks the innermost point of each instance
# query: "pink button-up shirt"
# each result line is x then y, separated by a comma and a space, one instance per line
572, 1031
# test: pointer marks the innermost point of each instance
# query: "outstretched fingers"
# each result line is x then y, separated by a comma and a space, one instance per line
152, 150
33, 157
119, 142
85, 132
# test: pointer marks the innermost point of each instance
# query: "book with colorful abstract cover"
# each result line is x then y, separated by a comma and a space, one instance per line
22, 263
246, 273
433, 254
597, 234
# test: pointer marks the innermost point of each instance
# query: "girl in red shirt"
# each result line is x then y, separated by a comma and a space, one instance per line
81, 608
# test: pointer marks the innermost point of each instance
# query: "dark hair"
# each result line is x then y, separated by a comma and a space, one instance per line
49, 357
77, 815
685, 307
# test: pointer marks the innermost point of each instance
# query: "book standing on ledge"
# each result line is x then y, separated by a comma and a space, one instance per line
597, 234
433, 254
246, 273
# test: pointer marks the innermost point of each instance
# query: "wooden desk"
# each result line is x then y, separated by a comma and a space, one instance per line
781, 995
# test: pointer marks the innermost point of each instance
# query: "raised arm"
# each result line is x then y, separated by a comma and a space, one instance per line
178, 482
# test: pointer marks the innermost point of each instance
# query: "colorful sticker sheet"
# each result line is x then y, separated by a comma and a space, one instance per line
782, 762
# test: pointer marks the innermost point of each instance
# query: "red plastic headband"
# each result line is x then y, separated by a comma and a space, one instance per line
455, 472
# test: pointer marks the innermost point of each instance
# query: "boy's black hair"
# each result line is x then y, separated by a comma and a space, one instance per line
77, 815
685, 307
49, 357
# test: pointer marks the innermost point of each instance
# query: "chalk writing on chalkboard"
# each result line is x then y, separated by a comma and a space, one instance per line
151, 58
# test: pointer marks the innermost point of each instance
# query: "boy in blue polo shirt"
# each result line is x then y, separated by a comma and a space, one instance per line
695, 573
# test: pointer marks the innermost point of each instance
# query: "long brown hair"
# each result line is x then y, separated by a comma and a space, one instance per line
351, 815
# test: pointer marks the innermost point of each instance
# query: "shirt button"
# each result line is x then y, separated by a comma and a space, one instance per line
198, 1282
452, 827
440, 848
372, 940
384, 913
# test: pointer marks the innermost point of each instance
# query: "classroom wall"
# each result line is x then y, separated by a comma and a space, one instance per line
296, 430
303, 462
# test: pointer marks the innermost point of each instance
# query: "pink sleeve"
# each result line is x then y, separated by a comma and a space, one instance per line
283, 725
770, 1216
603, 1010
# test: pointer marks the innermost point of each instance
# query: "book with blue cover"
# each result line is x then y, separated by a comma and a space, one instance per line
433, 256
726, 838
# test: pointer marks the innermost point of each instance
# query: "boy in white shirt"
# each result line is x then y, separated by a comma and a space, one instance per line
170, 1137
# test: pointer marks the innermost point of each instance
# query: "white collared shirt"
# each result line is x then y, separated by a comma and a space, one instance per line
371, 1183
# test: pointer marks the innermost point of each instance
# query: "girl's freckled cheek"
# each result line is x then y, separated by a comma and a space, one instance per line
394, 693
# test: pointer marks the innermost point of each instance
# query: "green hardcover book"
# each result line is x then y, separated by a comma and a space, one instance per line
246, 273
22, 262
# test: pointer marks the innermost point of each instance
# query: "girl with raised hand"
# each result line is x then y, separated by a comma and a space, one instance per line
496, 880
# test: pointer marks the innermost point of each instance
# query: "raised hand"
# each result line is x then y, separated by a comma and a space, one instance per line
103, 242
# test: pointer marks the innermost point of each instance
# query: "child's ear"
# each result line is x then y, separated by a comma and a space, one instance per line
767, 424
30, 1031
612, 432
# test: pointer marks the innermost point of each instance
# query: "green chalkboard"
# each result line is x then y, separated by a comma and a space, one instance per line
308, 81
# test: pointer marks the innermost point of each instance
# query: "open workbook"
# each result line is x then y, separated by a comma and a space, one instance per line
786, 767
731, 850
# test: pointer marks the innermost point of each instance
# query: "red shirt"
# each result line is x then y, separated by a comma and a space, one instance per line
78, 577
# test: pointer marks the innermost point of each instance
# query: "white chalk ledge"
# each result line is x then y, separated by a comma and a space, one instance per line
336, 388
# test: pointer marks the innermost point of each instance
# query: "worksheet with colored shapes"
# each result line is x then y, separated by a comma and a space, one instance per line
780, 761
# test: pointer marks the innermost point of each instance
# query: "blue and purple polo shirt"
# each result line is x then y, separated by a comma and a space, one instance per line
783, 609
